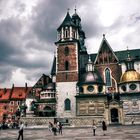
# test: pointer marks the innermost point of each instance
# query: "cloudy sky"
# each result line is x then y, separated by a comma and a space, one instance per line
28, 32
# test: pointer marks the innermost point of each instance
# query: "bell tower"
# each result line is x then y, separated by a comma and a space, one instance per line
68, 49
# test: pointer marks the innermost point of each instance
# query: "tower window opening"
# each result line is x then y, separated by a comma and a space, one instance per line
66, 65
66, 51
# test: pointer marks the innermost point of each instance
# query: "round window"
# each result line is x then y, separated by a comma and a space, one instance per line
132, 86
123, 88
90, 88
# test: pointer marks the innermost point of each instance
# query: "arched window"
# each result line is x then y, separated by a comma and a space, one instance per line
107, 77
67, 104
66, 65
66, 51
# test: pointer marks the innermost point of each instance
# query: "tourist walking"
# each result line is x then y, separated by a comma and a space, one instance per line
94, 127
20, 131
60, 128
50, 126
104, 127
54, 129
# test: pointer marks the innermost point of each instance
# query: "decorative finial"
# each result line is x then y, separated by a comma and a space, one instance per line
128, 54
103, 35
68, 10
89, 58
75, 9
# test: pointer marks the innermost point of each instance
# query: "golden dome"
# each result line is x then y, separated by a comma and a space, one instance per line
130, 76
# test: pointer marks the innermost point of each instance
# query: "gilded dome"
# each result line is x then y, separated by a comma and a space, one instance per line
130, 76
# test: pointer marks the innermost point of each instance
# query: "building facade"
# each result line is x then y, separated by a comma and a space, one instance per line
13, 102
105, 85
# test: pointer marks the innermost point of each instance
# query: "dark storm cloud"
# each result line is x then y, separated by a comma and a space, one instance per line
16, 45
47, 18
5, 72
9, 32
49, 15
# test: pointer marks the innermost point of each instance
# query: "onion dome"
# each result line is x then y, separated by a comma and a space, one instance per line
130, 76
91, 78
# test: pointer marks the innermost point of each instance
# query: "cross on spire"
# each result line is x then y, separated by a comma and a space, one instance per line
68, 10
75, 9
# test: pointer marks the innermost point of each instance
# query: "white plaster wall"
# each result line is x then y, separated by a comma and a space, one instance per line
66, 90
28, 103
137, 66
123, 66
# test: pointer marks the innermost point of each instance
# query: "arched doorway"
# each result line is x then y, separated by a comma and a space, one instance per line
47, 112
114, 115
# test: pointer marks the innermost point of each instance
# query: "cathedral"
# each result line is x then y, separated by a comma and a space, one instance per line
100, 86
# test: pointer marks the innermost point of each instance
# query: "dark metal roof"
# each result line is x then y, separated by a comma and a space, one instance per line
134, 54
121, 55
67, 21
53, 70
91, 78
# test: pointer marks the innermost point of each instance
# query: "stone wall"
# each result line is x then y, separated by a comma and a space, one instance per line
74, 122
128, 119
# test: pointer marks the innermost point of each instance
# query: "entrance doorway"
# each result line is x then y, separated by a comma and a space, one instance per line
114, 115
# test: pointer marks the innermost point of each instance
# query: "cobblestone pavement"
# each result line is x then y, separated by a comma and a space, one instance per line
113, 133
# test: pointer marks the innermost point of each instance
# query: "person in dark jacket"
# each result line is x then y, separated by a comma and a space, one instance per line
94, 127
104, 127
60, 128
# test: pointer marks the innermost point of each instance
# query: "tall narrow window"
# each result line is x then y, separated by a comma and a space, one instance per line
66, 65
67, 104
107, 77
66, 51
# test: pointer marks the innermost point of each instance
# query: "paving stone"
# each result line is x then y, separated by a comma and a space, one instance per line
113, 133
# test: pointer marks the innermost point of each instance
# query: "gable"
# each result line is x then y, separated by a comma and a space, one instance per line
105, 54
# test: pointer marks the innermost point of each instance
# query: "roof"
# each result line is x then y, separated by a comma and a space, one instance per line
91, 78
53, 70
14, 93
134, 54
43, 80
5, 94
67, 21
104, 49
122, 55
19, 92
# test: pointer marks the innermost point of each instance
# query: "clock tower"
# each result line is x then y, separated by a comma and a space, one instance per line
70, 43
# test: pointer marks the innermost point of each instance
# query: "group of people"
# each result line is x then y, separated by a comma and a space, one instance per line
56, 127
104, 127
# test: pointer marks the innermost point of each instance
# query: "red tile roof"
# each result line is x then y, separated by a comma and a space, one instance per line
19, 92
5, 94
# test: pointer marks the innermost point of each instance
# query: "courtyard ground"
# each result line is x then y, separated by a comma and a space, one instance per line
113, 133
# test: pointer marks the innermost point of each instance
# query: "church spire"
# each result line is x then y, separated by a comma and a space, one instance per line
89, 66
129, 61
